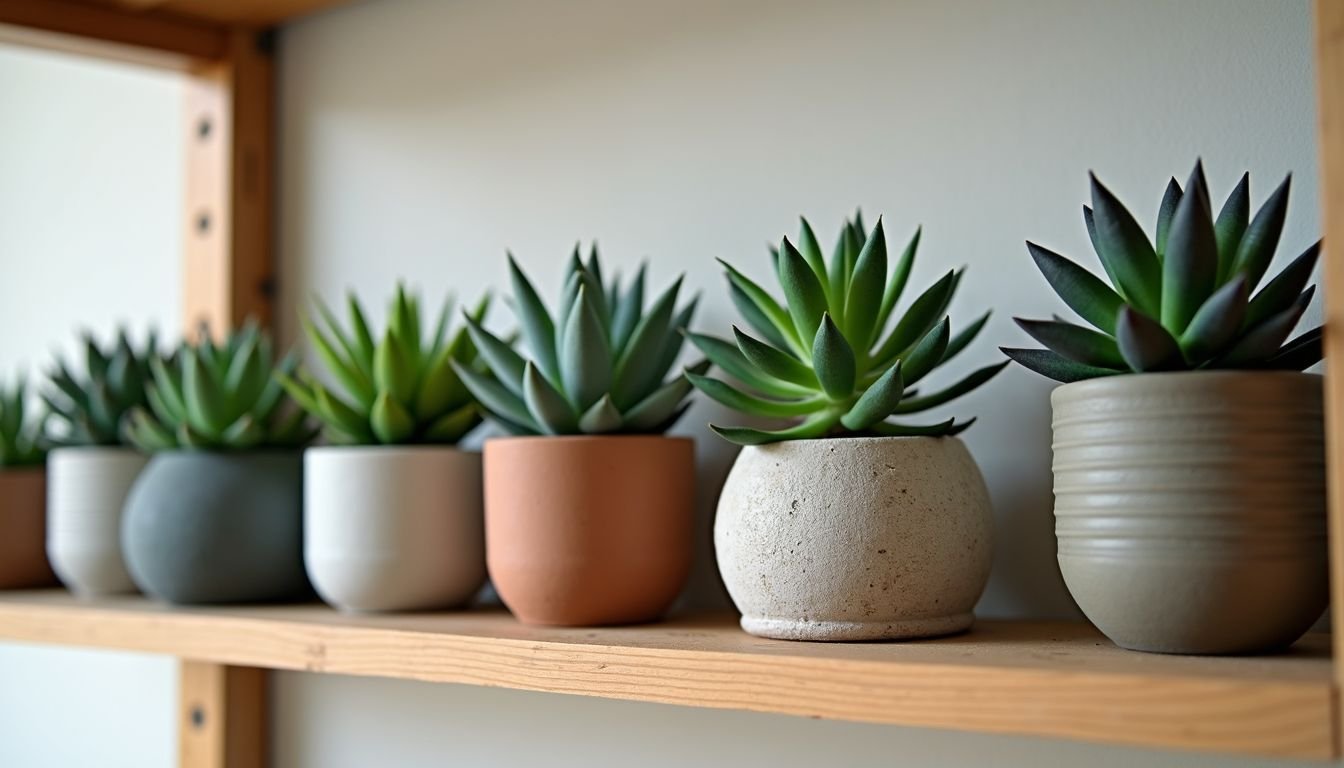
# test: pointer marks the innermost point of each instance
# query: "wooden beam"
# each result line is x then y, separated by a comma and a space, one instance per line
228, 265
1330, 96
222, 721
105, 25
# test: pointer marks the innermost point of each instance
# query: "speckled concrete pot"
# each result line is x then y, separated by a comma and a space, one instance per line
87, 493
884, 538
1190, 508
202, 527
393, 528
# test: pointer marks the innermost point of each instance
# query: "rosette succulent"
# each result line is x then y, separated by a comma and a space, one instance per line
220, 397
21, 440
597, 366
824, 356
93, 406
401, 389
1186, 300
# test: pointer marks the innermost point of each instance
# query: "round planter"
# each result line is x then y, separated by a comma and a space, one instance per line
586, 531
88, 489
393, 528
855, 538
205, 527
23, 514
1190, 508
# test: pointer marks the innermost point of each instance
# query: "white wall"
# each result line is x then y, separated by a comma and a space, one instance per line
90, 199
419, 139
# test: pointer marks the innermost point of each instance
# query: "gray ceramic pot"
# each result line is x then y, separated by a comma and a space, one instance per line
1190, 508
204, 527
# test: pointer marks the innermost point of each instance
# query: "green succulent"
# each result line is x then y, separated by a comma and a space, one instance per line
21, 437
223, 397
822, 357
92, 407
1183, 302
399, 390
599, 366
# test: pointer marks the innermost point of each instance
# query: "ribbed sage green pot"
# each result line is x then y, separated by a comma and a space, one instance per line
202, 527
1190, 508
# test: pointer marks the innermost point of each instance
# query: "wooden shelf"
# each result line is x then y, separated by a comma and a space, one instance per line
1037, 678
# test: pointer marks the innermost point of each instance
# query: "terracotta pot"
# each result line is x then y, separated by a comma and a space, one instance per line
1190, 508
855, 538
393, 528
585, 531
23, 535
87, 493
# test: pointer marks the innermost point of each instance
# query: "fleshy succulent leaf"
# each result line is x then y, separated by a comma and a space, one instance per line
1084, 292
1257, 246
1216, 323
1283, 290
864, 301
803, 292
1170, 199
1264, 340
1145, 344
775, 363
1055, 366
1124, 250
603, 417
970, 382
547, 406
1190, 269
833, 361
1231, 224
877, 402
537, 326
1082, 345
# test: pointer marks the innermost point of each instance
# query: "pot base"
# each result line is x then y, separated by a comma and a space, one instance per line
856, 631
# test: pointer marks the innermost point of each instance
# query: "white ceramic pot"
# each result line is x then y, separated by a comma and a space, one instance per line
86, 492
853, 538
391, 528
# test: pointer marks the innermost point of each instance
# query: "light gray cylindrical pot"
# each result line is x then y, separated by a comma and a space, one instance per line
86, 493
1190, 508
202, 527
853, 538
390, 528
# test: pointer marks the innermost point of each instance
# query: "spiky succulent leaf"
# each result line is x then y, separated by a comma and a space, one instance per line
22, 443
91, 409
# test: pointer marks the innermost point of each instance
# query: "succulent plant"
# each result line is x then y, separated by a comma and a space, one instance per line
92, 407
21, 437
220, 397
598, 366
823, 357
1182, 301
401, 389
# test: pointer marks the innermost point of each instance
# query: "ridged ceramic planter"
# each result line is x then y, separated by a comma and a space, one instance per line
393, 528
586, 531
85, 498
203, 527
882, 538
1190, 508
23, 542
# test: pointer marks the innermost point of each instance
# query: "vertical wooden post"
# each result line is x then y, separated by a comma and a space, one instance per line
1330, 95
228, 269
222, 718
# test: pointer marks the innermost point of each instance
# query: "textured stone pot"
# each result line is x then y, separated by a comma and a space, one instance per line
23, 514
393, 528
1190, 508
203, 527
87, 493
855, 538
585, 531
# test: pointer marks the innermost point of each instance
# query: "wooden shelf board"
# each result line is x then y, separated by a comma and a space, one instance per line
1048, 679
251, 13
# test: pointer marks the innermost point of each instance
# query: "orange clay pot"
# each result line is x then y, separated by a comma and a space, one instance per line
585, 531
23, 529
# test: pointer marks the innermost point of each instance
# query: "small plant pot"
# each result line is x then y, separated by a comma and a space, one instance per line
203, 527
855, 538
84, 507
1190, 508
592, 530
23, 516
393, 528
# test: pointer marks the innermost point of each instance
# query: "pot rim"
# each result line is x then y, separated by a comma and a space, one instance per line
177, 453
561, 439
1191, 379
122, 449
857, 438
351, 451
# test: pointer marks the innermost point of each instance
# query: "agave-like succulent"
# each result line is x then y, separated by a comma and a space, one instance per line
599, 366
220, 397
92, 406
21, 437
401, 389
823, 357
1183, 302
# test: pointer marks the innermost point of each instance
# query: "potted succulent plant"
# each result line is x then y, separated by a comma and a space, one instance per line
23, 555
92, 466
392, 510
1189, 446
588, 508
846, 525
217, 515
